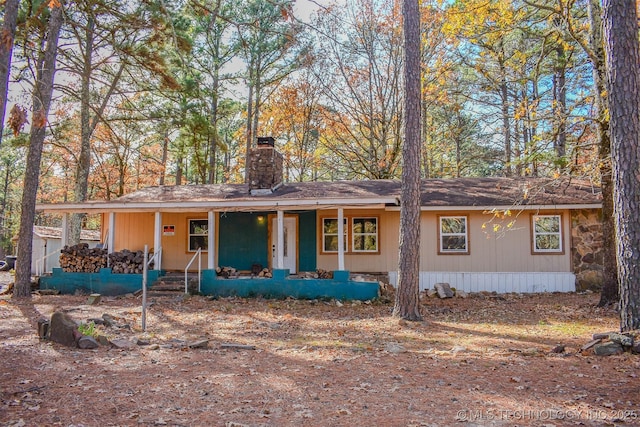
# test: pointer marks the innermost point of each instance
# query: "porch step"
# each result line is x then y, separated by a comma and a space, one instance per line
174, 282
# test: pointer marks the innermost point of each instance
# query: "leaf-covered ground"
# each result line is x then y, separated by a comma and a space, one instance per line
476, 361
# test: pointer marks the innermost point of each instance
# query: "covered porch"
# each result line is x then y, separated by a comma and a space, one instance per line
198, 236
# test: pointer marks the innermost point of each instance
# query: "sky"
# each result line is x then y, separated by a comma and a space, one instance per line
304, 8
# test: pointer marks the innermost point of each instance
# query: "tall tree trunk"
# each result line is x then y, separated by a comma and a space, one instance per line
249, 141
609, 294
213, 146
623, 82
84, 157
41, 102
506, 123
560, 100
7, 36
165, 157
407, 302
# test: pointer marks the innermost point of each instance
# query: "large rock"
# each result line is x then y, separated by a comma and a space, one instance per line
63, 329
608, 349
444, 290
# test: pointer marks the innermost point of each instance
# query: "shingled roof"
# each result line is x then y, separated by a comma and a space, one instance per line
484, 192
435, 193
290, 191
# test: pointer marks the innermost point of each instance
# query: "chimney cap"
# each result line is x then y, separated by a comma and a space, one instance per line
266, 141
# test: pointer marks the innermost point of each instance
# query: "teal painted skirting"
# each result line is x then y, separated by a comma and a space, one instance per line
104, 282
282, 287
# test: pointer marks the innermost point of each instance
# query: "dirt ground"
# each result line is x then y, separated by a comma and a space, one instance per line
479, 361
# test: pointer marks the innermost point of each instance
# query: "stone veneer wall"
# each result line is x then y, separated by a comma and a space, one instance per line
265, 168
586, 248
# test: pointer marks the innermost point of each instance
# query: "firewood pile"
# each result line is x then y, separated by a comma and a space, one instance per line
226, 272
324, 274
266, 273
318, 274
82, 259
127, 262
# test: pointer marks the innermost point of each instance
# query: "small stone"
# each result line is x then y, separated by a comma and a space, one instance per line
103, 340
443, 290
199, 344
43, 328
558, 349
458, 349
608, 349
94, 299
109, 321
601, 336
339, 304
122, 343
87, 343
395, 348
461, 294
431, 293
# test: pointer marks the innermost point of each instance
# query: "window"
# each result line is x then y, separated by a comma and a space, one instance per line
454, 238
198, 234
360, 234
365, 234
330, 235
547, 235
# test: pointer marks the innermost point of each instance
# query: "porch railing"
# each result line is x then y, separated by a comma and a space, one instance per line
40, 262
157, 258
198, 255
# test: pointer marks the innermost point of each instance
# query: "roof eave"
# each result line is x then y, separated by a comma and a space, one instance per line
216, 205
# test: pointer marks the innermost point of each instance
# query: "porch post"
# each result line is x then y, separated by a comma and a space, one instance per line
64, 239
340, 239
211, 254
280, 250
157, 240
111, 232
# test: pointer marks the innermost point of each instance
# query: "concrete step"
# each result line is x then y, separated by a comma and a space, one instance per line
174, 282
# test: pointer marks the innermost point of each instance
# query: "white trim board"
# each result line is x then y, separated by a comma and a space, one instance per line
500, 282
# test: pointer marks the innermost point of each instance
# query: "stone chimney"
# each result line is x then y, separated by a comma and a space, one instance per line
265, 167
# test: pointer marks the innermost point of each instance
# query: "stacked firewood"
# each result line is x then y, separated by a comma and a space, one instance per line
265, 272
324, 274
127, 262
318, 274
226, 272
82, 259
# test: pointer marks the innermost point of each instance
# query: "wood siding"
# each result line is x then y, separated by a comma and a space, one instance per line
491, 249
134, 230
503, 249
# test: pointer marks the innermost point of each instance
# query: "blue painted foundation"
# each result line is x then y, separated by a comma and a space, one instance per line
104, 282
281, 286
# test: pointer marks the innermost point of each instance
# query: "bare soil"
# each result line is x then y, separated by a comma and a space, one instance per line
480, 361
